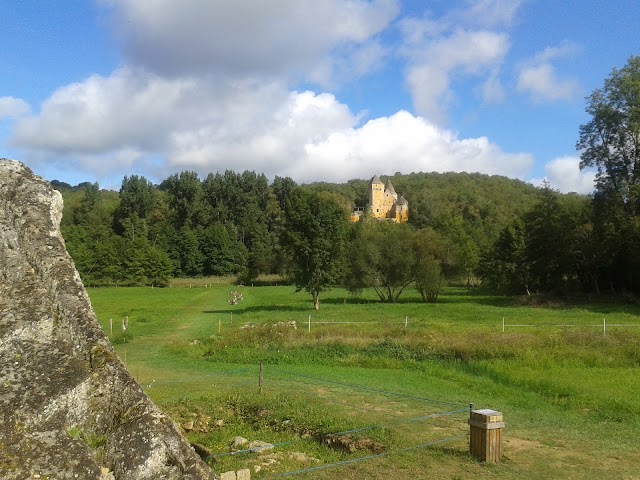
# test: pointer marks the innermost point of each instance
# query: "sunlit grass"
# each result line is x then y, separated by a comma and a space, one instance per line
568, 392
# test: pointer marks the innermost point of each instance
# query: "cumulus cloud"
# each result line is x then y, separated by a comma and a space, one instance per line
135, 109
129, 118
564, 174
11, 107
243, 37
539, 78
404, 142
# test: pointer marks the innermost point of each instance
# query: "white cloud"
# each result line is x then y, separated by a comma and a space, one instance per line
490, 13
123, 121
539, 78
463, 53
352, 63
243, 37
564, 174
404, 142
492, 90
11, 107
475, 14
463, 44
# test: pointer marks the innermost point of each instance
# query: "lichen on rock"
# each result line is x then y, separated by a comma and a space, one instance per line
68, 406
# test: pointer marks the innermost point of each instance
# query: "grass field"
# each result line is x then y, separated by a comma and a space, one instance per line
384, 374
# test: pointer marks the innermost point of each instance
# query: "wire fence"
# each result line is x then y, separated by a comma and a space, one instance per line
419, 421
410, 323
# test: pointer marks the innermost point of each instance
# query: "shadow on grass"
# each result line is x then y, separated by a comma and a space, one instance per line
262, 308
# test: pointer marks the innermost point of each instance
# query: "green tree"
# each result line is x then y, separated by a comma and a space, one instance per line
186, 200
223, 253
429, 250
548, 231
505, 265
381, 257
610, 141
137, 200
315, 236
85, 212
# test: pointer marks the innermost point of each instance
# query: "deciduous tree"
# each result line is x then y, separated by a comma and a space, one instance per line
315, 236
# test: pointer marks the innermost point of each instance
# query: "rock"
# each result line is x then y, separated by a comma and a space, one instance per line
188, 426
301, 458
244, 474
259, 446
269, 462
219, 423
228, 476
238, 442
66, 398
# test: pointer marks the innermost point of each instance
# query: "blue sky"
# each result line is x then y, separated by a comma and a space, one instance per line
331, 90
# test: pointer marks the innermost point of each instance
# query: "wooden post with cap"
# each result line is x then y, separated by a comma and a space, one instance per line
485, 435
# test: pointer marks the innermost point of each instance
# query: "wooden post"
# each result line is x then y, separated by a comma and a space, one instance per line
406, 320
309, 323
485, 435
219, 325
111, 326
260, 378
604, 327
502, 324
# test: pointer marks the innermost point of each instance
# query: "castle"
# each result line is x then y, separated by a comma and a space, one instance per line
384, 203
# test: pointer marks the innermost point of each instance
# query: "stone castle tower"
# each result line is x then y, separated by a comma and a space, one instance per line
384, 203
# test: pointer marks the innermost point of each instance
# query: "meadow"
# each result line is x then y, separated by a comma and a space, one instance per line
373, 390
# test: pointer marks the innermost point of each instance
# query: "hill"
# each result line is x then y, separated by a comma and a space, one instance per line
232, 223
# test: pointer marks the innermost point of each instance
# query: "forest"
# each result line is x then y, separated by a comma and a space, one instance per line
463, 227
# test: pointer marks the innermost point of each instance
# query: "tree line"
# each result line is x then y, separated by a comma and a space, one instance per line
240, 224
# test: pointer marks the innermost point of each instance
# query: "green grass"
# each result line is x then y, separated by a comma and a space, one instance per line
568, 393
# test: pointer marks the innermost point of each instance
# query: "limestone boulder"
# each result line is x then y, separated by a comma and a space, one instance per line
68, 406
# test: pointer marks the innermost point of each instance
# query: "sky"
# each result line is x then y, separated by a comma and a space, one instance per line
323, 90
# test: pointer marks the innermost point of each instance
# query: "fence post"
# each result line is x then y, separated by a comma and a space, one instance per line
485, 435
406, 320
604, 327
502, 324
309, 323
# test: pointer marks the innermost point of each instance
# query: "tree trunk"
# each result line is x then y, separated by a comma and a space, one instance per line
316, 300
